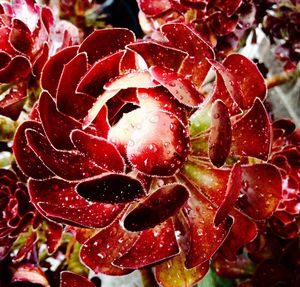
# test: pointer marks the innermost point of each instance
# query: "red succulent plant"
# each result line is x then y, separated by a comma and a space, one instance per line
123, 138
223, 24
28, 35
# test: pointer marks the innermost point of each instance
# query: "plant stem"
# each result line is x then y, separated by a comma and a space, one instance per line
282, 78
148, 278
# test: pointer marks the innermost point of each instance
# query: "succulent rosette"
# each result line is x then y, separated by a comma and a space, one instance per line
286, 156
18, 215
124, 138
223, 24
28, 34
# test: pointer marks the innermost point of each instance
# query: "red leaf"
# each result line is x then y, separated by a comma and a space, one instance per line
53, 69
157, 207
251, 134
220, 134
99, 150
70, 279
261, 190
58, 199
17, 69
196, 65
162, 155
237, 239
205, 237
20, 37
99, 74
104, 42
248, 76
229, 8
27, 247
233, 189
109, 244
173, 273
154, 7
69, 165
160, 240
181, 88
57, 126
159, 98
156, 54
27, 161
53, 235
111, 188
68, 101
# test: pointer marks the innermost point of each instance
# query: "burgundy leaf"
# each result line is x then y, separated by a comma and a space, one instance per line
58, 199
128, 62
104, 42
111, 188
205, 237
227, 84
70, 279
229, 8
261, 190
109, 244
237, 239
181, 88
27, 247
57, 126
40, 61
67, 99
251, 134
162, 155
103, 70
222, 25
53, 68
18, 68
156, 54
173, 273
53, 235
220, 134
160, 240
160, 98
69, 165
99, 150
233, 189
248, 76
154, 7
27, 161
196, 65
20, 37
157, 207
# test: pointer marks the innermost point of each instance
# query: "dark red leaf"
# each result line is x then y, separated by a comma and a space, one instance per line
242, 232
233, 189
111, 188
205, 237
68, 101
99, 150
221, 24
27, 160
162, 155
104, 42
173, 273
261, 190
54, 233
251, 134
70, 279
181, 88
229, 8
99, 74
153, 8
53, 68
58, 199
69, 165
57, 126
160, 240
196, 66
248, 76
27, 247
157, 207
156, 54
17, 69
20, 37
220, 134
109, 244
